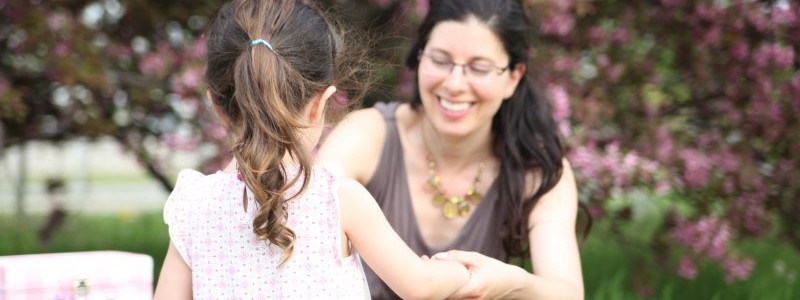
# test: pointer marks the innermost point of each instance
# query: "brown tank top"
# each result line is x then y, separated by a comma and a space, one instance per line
389, 186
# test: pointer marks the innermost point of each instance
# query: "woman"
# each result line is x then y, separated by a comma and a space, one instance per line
474, 162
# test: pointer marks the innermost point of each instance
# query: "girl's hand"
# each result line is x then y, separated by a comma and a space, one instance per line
490, 279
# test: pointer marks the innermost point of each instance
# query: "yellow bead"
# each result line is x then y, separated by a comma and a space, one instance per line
450, 210
454, 199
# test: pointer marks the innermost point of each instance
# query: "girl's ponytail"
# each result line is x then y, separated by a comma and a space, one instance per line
270, 133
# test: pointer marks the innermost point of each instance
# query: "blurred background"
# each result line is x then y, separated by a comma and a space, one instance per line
679, 117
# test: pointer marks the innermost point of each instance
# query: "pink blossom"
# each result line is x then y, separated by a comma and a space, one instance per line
198, 48
565, 63
596, 35
620, 36
738, 269
687, 268
565, 5
672, 3
405, 86
596, 211
739, 51
707, 236
719, 242
665, 144
761, 56
215, 130
584, 158
57, 21
727, 161
560, 100
153, 64
188, 81
783, 56
708, 12
615, 72
421, 7
757, 19
696, 168
61, 49
712, 36
559, 24
784, 16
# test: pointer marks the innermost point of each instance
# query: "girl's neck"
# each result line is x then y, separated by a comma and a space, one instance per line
457, 152
232, 166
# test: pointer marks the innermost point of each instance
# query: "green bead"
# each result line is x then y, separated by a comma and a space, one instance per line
438, 200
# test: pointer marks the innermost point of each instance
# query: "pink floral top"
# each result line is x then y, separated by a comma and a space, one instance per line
214, 235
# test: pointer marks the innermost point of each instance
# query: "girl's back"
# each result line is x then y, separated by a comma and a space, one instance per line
214, 234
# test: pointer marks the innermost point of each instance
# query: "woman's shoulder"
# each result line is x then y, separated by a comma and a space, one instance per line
560, 202
355, 143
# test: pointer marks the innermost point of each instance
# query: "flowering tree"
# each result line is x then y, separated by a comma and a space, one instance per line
131, 71
681, 112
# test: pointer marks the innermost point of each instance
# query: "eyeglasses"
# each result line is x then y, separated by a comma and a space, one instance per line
475, 71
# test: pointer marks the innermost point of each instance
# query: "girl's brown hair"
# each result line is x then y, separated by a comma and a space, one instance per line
261, 89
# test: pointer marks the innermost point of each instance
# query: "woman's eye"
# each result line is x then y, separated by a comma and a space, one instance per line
479, 69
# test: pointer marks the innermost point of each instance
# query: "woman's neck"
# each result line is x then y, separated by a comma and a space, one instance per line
459, 153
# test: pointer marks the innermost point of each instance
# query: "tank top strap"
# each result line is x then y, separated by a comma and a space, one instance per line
387, 110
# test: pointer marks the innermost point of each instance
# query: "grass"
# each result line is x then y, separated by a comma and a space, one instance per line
616, 271
611, 270
139, 233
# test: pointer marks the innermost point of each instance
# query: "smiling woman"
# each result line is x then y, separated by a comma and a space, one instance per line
473, 162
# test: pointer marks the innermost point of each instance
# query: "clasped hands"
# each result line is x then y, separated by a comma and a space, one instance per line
489, 277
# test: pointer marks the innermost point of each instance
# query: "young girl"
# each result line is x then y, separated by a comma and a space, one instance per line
271, 225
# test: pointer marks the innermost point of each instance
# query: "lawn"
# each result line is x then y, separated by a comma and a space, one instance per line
611, 270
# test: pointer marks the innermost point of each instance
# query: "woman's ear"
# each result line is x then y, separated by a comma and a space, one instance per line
316, 108
517, 72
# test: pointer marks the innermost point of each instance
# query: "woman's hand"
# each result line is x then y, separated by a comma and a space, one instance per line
490, 279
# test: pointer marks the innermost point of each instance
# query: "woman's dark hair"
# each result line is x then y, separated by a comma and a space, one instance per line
525, 135
262, 88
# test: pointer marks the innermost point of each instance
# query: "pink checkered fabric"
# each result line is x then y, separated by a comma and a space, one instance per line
214, 235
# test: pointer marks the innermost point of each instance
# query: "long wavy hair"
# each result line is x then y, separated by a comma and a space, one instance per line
525, 136
262, 91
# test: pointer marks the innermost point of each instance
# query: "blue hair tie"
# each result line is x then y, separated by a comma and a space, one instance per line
260, 41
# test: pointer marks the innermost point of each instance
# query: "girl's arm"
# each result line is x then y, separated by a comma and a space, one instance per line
175, 280
407, 274
554, 253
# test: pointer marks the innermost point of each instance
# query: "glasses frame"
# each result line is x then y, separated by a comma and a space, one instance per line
463, 66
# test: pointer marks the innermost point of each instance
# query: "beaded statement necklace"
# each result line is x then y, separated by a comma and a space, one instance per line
452, 206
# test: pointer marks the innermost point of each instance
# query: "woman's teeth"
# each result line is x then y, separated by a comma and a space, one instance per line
453, 106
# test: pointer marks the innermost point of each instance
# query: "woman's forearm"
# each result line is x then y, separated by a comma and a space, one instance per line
530, 286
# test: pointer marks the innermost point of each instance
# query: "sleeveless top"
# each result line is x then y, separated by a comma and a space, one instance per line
214, 235
389, 186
